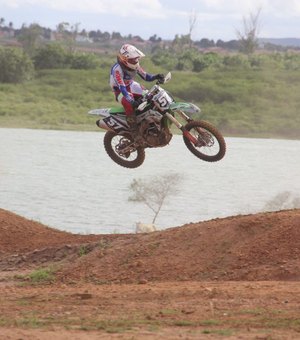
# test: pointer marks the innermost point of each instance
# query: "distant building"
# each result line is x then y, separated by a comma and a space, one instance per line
83, 39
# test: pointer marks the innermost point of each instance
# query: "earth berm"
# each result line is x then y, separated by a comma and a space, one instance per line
230, 278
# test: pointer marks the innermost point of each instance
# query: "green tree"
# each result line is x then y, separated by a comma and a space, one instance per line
202, 61
205, 43
68, 34
15, 66
29, 36
236, 61
50, 56
181, 43
83, 61
116, 35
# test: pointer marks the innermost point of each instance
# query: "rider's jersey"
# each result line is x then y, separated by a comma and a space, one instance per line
121, 79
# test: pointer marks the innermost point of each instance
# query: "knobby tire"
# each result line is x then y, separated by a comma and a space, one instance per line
131, 164
214, 132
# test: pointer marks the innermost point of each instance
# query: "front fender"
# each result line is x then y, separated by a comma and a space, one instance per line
185, 107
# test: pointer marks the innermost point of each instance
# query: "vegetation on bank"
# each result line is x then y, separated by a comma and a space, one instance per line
243, 95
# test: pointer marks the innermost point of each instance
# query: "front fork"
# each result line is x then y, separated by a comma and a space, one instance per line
185, 132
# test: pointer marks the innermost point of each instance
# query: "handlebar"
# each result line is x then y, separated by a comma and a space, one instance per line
149, 95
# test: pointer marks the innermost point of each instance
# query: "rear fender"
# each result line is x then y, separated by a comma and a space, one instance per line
113, 123
105, 112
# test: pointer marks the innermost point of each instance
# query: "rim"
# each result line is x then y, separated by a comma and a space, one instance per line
123, 148
207, 144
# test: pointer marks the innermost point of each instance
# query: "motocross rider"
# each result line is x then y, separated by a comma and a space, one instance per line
127, 91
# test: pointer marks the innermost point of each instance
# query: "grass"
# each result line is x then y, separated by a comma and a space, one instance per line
104, 244
223, 327
263, 318
38, 276
168, 312
222, 332
29, 322
83, 250
42, 275
245, 102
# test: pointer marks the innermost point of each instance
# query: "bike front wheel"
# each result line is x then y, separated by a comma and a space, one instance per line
210, 145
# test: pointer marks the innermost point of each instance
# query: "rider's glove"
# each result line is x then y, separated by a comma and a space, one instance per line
160, 77
136, 103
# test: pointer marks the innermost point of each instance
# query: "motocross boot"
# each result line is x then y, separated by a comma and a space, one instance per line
133, 127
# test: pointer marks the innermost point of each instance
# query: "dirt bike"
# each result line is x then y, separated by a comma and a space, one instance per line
155, 115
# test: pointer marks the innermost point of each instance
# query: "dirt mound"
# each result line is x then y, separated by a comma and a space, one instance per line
25, 244
176, 306
19, 235
254, 247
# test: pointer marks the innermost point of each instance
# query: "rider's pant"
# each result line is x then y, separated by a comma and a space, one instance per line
136, 90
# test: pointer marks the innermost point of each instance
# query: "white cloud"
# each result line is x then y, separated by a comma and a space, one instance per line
285, 8
160, 9
234, 6
216, 18
274, 7
145, 8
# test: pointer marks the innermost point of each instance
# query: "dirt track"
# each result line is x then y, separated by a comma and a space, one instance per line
236, 277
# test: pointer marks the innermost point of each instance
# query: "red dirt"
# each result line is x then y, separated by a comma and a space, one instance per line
20, 235
185, 273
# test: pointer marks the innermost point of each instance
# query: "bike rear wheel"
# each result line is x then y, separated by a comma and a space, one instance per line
210, 145
122, 150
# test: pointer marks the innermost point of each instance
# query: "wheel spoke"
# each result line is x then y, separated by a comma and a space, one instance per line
122, 148
210, 145
207, 143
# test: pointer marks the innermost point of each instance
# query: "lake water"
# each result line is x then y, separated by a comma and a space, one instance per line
66, 180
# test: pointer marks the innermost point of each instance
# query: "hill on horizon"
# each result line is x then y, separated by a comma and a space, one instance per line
286, 42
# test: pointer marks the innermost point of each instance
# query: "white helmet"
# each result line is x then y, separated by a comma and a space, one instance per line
130, 56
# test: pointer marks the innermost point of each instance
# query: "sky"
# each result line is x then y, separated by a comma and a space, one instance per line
215, 19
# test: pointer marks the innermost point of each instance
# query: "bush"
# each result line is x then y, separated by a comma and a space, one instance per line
259, 61
185, 60
50, 56
238, 60
164, 59
82, 61
54, 56
292, 61
202, 61
15, 66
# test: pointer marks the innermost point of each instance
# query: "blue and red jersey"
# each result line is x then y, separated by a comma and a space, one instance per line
121, 79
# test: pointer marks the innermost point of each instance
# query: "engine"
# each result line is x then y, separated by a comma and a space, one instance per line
152, 130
